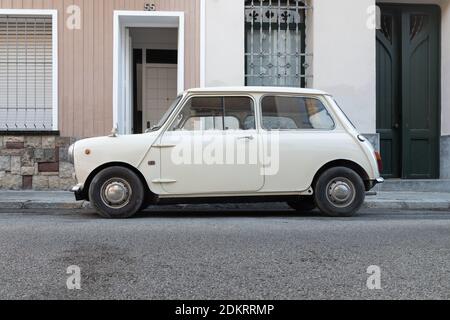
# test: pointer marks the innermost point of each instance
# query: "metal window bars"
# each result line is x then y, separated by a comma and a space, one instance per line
276, 43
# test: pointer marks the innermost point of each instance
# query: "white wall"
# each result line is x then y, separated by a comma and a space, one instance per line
155, 38
224, 45
345, 58
344, 61
445, 68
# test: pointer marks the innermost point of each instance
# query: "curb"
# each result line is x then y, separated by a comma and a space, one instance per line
369, 204
30, 205
408, 205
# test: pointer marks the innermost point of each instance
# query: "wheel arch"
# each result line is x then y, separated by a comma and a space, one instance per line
347, 164
87, 184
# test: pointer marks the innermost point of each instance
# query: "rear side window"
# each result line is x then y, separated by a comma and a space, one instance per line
294, 113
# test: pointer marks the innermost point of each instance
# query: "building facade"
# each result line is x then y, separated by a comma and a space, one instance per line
71, 69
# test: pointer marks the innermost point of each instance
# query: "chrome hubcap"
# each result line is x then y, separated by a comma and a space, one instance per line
116, 193
341, 192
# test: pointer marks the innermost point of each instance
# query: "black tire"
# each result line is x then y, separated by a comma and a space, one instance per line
303, 204
339, 192
131, 194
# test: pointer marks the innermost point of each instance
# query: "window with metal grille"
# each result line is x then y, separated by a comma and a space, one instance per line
275, 48
26, 72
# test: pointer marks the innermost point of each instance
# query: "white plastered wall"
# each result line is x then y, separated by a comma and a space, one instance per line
344, 60
343, 49
224, 43
155, 38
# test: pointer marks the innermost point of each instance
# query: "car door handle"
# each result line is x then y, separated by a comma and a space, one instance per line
246, 138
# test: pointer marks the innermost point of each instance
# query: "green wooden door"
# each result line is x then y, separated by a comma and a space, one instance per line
408, 90
388, 91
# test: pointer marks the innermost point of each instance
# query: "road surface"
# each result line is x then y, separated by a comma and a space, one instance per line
228, 254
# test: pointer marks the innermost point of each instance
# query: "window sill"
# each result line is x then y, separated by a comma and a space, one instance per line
29, 133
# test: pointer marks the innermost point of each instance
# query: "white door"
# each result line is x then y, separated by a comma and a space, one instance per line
204, 152
159, 91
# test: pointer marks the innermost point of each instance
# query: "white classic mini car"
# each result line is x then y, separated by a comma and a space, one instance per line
243, 144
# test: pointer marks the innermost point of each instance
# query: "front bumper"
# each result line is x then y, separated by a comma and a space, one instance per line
79, 193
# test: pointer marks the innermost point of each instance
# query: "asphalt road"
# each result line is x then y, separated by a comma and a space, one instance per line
225, 255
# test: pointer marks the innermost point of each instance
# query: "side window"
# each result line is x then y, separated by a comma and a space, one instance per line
293, 113
215, 113
237, 110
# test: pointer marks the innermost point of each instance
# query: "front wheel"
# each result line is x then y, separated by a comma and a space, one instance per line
339, 192
116, 192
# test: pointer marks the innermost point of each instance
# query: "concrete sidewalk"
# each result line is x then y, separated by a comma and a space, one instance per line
383, 200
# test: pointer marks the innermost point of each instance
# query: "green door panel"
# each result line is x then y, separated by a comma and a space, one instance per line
408, 90
420, 91
388, 92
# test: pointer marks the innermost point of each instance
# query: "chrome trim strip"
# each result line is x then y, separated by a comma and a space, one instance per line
161, 146
164, 181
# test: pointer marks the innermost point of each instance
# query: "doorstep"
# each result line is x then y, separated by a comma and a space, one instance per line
400, 185
62, 200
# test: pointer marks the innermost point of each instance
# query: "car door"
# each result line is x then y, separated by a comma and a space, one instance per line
212, 148
302, 139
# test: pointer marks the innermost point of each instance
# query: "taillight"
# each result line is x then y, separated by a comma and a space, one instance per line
379, 161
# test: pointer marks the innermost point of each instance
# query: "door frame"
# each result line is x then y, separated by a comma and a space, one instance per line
427, 7
121, 88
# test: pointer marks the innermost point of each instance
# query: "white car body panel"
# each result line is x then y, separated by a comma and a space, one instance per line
129, 149
302, 154
205, 178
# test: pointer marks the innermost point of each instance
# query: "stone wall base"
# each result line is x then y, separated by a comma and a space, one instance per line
35, 162
445, 157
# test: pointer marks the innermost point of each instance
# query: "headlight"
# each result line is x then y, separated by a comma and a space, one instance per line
71, 153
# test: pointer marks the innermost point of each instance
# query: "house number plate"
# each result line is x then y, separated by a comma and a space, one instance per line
150, 7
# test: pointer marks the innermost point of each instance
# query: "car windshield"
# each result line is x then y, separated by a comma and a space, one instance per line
168, 113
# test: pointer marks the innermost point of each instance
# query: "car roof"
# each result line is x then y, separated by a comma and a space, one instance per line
258, 90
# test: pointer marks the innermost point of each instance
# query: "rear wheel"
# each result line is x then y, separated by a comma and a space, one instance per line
339, 192
303, 204
116, 192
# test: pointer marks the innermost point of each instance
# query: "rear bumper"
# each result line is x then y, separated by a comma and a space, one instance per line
379, 180
79, 192
373, 183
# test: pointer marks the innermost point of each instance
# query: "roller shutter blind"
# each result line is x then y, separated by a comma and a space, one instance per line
26, 72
